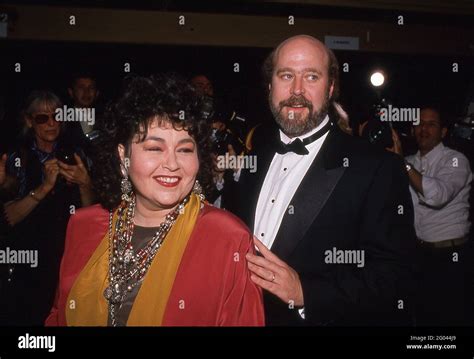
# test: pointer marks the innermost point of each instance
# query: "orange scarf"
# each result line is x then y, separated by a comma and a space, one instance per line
86, 304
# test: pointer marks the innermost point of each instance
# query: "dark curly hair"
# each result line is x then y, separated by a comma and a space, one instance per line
142, 99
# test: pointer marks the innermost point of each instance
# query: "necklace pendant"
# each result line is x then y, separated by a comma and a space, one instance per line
114, 293
108, 293
128, 256
114, 296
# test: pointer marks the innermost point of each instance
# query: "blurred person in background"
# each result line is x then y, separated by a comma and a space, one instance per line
48, 181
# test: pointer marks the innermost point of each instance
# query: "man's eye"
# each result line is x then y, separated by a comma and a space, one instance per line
286, 76
312, 77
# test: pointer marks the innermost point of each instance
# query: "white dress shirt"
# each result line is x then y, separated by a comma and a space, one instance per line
442, 212
86, 127
281, 182
219, 185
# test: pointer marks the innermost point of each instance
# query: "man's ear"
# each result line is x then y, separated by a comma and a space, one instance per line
69, 91
269, 87
331, 89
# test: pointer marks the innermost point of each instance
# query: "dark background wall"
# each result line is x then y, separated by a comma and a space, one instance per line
417, 57
412, 79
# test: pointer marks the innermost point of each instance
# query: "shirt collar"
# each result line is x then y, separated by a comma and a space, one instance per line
433, 154
43, 156
285, 139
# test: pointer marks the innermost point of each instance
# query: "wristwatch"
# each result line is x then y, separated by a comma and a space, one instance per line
408, 166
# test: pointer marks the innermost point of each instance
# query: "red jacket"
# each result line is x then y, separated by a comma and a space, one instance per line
212, 279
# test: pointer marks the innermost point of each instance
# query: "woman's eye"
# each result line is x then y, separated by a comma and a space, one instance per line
186, 150
158, 149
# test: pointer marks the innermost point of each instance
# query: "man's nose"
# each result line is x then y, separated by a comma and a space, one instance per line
423, 127
298, 87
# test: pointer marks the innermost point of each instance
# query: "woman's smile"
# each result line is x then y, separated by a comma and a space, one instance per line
167, 181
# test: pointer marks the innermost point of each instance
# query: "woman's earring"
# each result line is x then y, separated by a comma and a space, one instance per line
197, 189
126, 186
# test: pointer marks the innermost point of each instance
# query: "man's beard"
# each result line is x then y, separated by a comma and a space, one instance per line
299, 124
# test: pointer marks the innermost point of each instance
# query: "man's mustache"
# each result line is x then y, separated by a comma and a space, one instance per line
294, 101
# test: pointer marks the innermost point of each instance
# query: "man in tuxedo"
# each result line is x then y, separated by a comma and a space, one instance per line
332, 215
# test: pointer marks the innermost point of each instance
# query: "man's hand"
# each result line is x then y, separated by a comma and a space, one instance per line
3, 170
75, 173
275, 276
397, 145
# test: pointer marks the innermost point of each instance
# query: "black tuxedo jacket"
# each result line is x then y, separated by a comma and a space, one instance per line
353, 197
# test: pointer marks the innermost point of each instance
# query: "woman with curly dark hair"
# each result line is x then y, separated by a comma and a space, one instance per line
154, 252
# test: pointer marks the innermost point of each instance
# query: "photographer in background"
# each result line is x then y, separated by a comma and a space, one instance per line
223, 137
228, 136
224, 143
440, 180
203, 85
51, 182
225, 119
83, 94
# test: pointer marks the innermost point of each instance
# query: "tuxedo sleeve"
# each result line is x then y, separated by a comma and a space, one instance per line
386, 235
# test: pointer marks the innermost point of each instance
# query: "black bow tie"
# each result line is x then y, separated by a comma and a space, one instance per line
298, 146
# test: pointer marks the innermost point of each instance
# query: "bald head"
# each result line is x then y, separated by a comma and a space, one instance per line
297, 43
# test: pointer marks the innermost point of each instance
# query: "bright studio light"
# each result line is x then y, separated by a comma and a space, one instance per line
377, 79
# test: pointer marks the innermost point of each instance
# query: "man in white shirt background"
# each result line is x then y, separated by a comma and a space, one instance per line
440, 180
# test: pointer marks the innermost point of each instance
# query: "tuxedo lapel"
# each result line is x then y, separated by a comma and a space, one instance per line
313, 192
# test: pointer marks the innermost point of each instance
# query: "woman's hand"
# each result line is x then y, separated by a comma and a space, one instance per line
17, 210
75, 173
51, 171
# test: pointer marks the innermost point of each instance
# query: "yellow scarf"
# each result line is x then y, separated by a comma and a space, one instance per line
86, 304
